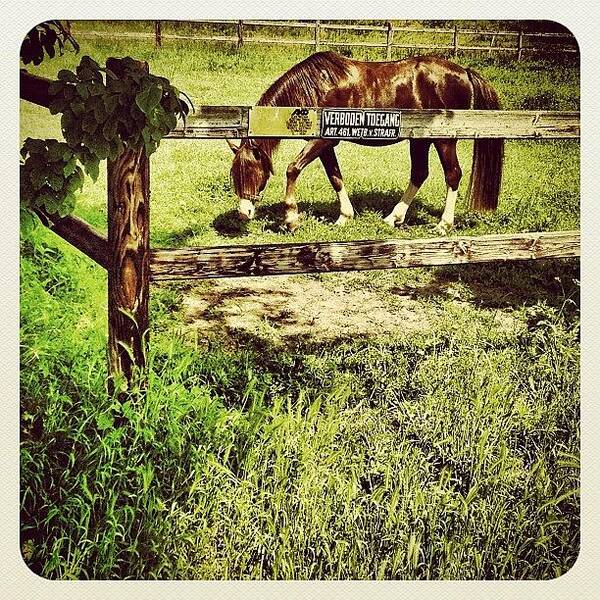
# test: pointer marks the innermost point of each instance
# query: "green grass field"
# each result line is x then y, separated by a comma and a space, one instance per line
409, 424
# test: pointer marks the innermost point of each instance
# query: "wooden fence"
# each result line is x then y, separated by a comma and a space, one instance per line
392, 37
131, 264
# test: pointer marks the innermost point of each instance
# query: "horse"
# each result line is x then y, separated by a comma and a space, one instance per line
327, 79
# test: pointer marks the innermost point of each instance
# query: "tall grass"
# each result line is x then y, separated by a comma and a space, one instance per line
450, 452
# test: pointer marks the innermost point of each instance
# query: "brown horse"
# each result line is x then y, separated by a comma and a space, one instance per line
326, 79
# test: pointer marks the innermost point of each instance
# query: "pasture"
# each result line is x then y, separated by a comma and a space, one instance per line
419, 423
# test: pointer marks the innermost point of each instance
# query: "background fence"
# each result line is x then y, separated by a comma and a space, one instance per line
390, 38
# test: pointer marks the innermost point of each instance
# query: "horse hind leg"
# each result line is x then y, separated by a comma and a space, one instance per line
419, 170
332, 168
447, 152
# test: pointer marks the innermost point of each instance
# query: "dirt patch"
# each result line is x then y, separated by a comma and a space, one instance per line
289, 308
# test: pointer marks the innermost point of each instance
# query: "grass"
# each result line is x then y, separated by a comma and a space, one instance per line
446, 452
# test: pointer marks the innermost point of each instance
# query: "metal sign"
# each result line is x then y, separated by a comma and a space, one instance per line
283, 121
357, 124
331, 123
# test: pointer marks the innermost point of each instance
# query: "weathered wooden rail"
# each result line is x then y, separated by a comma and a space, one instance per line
328, 257
266, 121
131, 264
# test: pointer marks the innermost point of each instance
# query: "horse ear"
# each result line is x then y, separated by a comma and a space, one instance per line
233, 147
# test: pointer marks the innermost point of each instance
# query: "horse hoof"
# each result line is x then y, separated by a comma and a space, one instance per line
391, 221
291, 226
342, 220
442, 228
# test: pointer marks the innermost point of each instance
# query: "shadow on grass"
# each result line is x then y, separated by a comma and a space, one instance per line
229, 224
507, 285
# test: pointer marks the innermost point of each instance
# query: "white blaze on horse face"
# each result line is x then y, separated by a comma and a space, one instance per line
346, 208
447, 221
398, 213
246, 208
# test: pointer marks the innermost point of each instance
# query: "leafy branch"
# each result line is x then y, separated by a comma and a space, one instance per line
104, 112
45, 37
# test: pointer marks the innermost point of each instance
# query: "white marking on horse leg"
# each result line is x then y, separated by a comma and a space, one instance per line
291, 209
398, 213
346, 208
447, 221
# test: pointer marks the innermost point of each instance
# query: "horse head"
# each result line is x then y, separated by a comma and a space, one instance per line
250, 171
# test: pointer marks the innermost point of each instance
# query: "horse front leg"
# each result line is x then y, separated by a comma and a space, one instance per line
313, 149
419, 170
332, 168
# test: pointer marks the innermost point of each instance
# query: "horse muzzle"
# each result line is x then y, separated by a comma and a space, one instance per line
246, 209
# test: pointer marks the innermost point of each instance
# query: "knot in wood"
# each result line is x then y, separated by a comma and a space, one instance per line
256, 266
323, 260
461, 248
534, 246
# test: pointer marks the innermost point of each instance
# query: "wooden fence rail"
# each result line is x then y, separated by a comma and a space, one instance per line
327, 257
244, 34
259, 121
131, 263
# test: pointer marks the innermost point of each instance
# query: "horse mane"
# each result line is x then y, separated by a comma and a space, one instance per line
304, 85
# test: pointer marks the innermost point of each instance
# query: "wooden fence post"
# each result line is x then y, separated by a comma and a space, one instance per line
455, 40
388, 41
317, 35
128, 266
240, 34
492, 41
520, 45
157, 34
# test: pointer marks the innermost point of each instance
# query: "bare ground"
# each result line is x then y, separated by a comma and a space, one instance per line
290, 307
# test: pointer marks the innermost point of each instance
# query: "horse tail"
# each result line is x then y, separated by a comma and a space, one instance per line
486, 172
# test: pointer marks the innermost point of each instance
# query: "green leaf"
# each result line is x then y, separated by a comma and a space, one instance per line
35, 146
116, 148
83, 90
89, 123
102, 149
171, 121
64, 75
55, 181
38, 179
110, 103
43, 199
89, 62
52, 204
99, 110
67, 206
78, 108
109, 131
66, 121
55, 150
148, 99
70, 167
57, 106
56, 87
75, 181
28, 221
150, 147
92, 168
